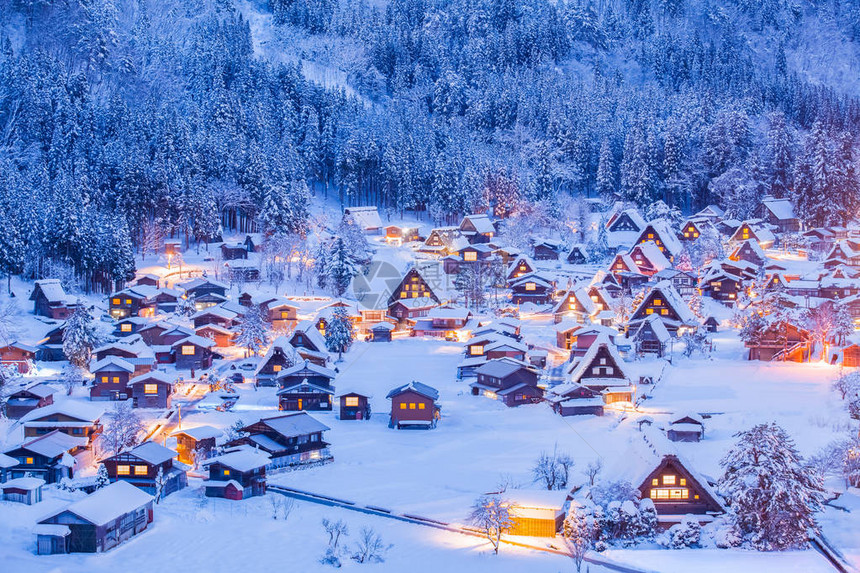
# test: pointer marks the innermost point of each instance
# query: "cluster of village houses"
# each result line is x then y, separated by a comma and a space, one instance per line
151, 346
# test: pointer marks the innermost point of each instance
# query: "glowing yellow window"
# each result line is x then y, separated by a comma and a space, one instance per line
657, 302
470, 256
476, 350
683, 481
649, 311
351, 401
104, 379
125, 327
28, 461
226, 472
188, 350
403, 294
695, 235
115, 380
655, 481
664, 311
403, 405
411, 405
150, 388
123, 470
687, 234
572, 305
140, 470
115, 301
414, 294
421, 405
668, 480
285, 314
650, 235
531, 286
679, 494
128, 301
276, 367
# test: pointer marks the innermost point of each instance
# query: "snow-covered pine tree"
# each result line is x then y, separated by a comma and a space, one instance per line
102, 478
339, 333
79, 337
341, 268
780, 148
606, 172
578, 535
160, 482
773, 495
253, 333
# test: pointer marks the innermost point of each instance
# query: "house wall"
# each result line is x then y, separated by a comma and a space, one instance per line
408, 413
201, 359
143, 400
110, 390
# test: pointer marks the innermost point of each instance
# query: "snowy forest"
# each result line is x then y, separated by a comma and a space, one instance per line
126, 121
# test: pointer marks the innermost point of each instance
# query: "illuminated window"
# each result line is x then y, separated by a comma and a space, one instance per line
657, 302
683, 481
351, 401
470, 256
188, 350
285, 314
664, 311
686, 234
668, 480
650, 235
115, 379
226, 472
128, 301
414, 295
276, 367
649, 311
403, 405
655, 481
123, 470
150, 388
572, 305
115, 301
125, 327
421, 405
403, 294
140, 470
28, 461
477, 350
104, 379
695, 235
531, 286
411, 405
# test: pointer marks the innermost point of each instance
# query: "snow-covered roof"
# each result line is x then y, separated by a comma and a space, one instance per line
577, 368
657, 326
308, 328
112, 363
382, 326
52, 289
52, 445
200, 341
365, 217
449, 313
417, 387
673, 299
481, 223
652, 253
133, 345
22, 346
108, 503
72, 408
666, 234
307, 365
581, 296
218, 311
498, 368
295, 424
241, 460
50, 529
199, 282
200, 432
536, 498
7, 461
532, 278
782, 209
153, 453
40, 390
415, 303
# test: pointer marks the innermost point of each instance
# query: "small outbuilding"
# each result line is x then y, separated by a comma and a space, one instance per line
536, 513
354, 406
381, 332
414, 405
26, 490
686, 428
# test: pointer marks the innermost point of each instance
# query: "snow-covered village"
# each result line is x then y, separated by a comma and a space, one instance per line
421, 285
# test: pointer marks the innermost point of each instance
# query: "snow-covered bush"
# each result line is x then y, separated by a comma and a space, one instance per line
688, 533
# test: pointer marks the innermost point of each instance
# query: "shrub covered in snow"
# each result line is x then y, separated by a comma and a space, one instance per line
688, 533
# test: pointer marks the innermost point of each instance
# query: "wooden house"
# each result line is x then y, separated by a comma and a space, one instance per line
281, 314
133, 301
412, 286
6, 465
305, 386
846, 252
289, 439
521, 267
477, 228
381, 332
711, 324
111, 378
141, 465
48, 457
649, 259
623, 263
50, 300
532, 288
397, 235
684, 282
217, 315
414, 405
626, 221
511, 383
367, 219
547, 250
577, 255
76, 419
721, 284
131, 349
26, 490
193, 353
222, 337
129, 326
445, 322
148, 280
237, 474
652, 337
280, 356
749, 251
408, 309
664, 301
575, 400
686, 428
659, 233
781, 341
234, 251
205, 292
602, 370
712, 213
354, 406
307, 336
18, 355
536, 513
167, 299
172, 248
96, 523
850, 356
753, 230
695, 227
779, 213
677, 491
151, 390
442, 241
21, 402
194, 445
575, 304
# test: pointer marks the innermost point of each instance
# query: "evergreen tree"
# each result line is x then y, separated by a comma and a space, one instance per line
781, 156
773, 496
79, 337
340, 268
253, 333
102, 478
339, 333
606, 172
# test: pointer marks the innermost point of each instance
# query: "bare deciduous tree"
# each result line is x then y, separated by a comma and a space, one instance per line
492, 515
